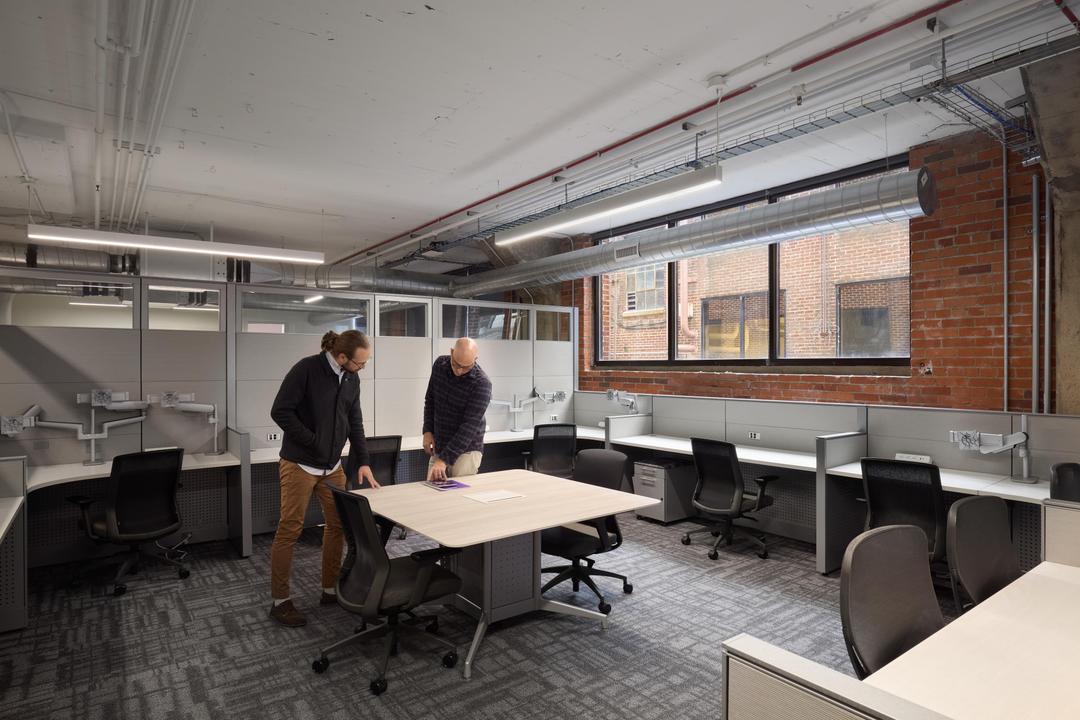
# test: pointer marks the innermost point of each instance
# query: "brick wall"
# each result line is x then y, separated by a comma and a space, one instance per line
956, 287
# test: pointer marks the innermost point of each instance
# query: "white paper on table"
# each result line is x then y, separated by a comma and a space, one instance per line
487, 496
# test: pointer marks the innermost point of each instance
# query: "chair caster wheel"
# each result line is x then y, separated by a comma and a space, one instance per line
378, 687
604, 608
449, 660
685, 540
119, 590
715, 533
764, 554
713, 554
320, 665
433, 627
360, 628
183, 573
627, 588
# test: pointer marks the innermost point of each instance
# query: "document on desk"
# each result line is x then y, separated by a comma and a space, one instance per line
488, 496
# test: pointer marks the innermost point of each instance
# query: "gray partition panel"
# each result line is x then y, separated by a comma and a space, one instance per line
181, 356
266, 356
1052, 439
788, 425
924, 431
840, 508
689, 417
590, 408
87, 356
165, 427
239, 490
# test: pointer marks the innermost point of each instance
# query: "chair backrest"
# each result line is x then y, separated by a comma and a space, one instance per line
606, 469
146, 490
906, 493
383, 453
367, 566
1065, 482
719, 486
981, 553
887, 600
553, 449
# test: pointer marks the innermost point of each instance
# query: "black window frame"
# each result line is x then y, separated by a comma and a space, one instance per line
770, 195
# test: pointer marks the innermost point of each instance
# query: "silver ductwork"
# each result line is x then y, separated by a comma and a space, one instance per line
891, 198
351, 277
51, 257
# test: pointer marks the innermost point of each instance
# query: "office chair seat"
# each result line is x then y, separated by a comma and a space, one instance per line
403, 574
99, 529
568, 543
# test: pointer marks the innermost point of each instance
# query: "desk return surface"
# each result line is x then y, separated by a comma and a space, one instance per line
790, 459
451, 519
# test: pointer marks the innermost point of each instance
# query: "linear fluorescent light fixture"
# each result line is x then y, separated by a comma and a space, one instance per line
80, 236
313, 298
685, 184
100, 304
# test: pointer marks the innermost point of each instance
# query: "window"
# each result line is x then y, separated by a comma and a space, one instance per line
174, 307
403, 318
485, 323
840, 298
634, 307
553, 325
310, 313
42, 302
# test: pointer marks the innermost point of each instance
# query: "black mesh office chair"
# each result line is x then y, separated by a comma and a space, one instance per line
906, 493
374, 586
1065, 482
553, 449
143, 510
721, 497
887, 600
982, 558
383, 454
603, 468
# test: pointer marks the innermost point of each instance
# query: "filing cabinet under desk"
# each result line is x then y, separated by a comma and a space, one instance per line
669, 481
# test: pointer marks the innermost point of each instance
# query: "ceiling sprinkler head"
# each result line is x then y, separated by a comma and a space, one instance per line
718, 81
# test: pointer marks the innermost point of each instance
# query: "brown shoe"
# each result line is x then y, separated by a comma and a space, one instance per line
328, 598
287, 614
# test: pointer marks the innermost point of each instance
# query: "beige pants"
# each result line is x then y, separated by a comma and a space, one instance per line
466, 464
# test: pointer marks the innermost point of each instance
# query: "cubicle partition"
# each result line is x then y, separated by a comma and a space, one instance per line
690, 417
840, 509
13, 585
1061, 541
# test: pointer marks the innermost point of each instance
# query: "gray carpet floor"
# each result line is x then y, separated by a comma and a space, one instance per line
204, 647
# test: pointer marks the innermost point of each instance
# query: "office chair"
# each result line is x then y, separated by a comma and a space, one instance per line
720, 495
603, 468
143, 510
553, 449
982, 558
1065, 482
383, 454
887, 600
906, 493
375, 587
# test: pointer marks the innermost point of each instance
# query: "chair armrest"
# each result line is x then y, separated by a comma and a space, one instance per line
762, 482
433, 554
81, 500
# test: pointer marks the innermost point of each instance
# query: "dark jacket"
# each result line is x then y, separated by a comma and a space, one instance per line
454, 409
318, 413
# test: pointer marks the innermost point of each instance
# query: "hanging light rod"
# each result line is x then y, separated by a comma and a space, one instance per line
685, 184
80, 236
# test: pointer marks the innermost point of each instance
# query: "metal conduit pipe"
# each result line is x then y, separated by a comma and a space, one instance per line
1034, 293
100, 39
892, 198
1046, 297
1005, 272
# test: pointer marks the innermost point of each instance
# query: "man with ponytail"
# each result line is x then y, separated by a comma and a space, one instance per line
318, 407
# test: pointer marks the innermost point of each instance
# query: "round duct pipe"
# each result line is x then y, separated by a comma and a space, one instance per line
355, 277
891, 198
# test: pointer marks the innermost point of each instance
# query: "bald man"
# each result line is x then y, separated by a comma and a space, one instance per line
457, 398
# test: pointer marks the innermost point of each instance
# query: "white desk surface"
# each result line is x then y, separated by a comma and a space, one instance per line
971, 483
8, 508
790, 459
40, 476
1013, 656
415, 442
451, 519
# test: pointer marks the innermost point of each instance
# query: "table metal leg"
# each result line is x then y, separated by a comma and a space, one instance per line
562, 608
478, 637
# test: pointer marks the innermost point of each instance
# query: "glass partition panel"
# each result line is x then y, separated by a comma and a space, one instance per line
41, 302
307, 314
485, 323
178, 307
553, 325
403, 318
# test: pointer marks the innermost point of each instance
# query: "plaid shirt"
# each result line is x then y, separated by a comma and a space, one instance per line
454, 409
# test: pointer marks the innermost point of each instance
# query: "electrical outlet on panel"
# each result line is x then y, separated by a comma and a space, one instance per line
914, 457
754, 435
554, 418
273, 437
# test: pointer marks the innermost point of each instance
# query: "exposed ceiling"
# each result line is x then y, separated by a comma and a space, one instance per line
334, 126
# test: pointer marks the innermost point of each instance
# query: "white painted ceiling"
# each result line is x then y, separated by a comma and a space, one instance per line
334, 125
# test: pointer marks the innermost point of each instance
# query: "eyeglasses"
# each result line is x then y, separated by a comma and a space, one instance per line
359, 365
458, 366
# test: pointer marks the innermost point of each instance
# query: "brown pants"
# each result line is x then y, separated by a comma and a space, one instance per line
296, 488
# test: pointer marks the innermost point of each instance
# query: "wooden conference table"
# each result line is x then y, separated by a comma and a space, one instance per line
1015, 655
500, 565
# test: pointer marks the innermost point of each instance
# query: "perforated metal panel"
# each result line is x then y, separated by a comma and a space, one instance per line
411, 467
202, 499
265, 497
794, 508
514, 569
1027, 533
11, 570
